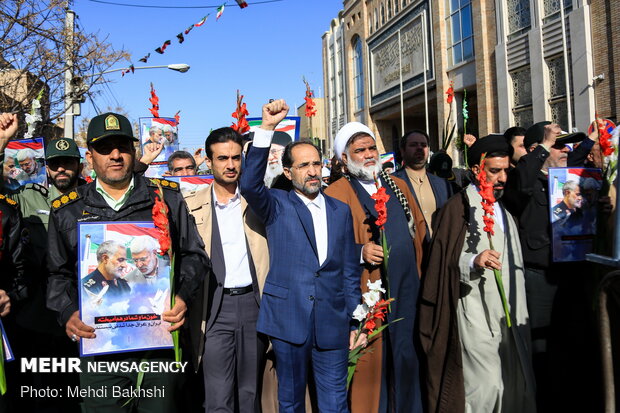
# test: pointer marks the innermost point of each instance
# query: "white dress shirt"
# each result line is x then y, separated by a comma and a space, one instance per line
316, 207
232, 235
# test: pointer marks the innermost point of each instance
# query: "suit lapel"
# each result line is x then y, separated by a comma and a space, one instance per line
330, 209
306, 219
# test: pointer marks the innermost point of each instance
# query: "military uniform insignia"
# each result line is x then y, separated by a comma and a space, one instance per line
112, 123
8, 200
65, 199
89, 283
156, 182
62, 145
39, 188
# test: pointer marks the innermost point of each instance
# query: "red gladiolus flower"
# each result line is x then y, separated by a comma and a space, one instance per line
450, 93
239, 114
488, 197
604, 139
160, 219
370, 325
155, 102
381, 198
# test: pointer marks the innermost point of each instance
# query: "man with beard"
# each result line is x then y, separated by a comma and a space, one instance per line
430, 192
36, 322
387, 377
571, 201
33, 171
111, 263
223, 323
557, 293
274, 163
474, 361
144, 255
312, 287
118, 194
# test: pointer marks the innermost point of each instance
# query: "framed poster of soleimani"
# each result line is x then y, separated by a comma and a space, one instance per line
124, 287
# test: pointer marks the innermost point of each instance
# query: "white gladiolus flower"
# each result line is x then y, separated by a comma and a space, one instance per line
371, 298
376, 286
36, 104
360, 312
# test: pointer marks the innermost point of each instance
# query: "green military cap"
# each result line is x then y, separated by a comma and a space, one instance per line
62, 147
108, 125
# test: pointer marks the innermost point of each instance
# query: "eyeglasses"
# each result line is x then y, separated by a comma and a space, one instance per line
306, 165
139, 260
275, 151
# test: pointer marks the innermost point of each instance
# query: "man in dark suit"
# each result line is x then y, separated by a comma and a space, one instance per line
312, 287
430, 192
223, 324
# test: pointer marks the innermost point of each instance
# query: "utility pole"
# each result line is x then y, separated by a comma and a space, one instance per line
69, 34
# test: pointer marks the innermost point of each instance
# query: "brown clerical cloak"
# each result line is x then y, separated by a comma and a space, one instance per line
365, 388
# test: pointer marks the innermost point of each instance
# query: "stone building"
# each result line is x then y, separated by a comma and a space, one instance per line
313, 127
507, 58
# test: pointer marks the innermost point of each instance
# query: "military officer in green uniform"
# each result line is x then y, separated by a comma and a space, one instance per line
35, 323
118, 194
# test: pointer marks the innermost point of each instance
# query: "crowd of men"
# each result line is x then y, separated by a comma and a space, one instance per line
274, 256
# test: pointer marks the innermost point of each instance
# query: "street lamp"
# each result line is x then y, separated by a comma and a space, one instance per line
75, 90
177, 67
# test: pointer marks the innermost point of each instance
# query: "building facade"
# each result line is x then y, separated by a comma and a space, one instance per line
389, 63
314, 127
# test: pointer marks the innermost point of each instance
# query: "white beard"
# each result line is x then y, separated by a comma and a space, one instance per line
272, 172
364, 173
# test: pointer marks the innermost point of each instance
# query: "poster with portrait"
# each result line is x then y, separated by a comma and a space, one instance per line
289, 125
573, 199
160, 130
124, 287
24, 163
191, 183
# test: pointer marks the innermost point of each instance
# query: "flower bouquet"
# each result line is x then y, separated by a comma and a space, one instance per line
373, 309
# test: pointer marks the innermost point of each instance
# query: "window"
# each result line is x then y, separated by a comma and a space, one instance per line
395, 6
518, 16
358, 74
404, 3
389, 7
551, 7
522, 97
462, 31
382, 14
557, 91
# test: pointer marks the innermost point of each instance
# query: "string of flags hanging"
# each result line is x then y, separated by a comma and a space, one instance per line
181, 36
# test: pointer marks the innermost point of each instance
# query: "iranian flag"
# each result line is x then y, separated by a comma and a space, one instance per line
163, 121
126, 232
220, 11
200, 23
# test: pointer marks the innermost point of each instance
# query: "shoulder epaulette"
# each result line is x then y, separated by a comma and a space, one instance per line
65, 199
164, 183
39, 188
6, 200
